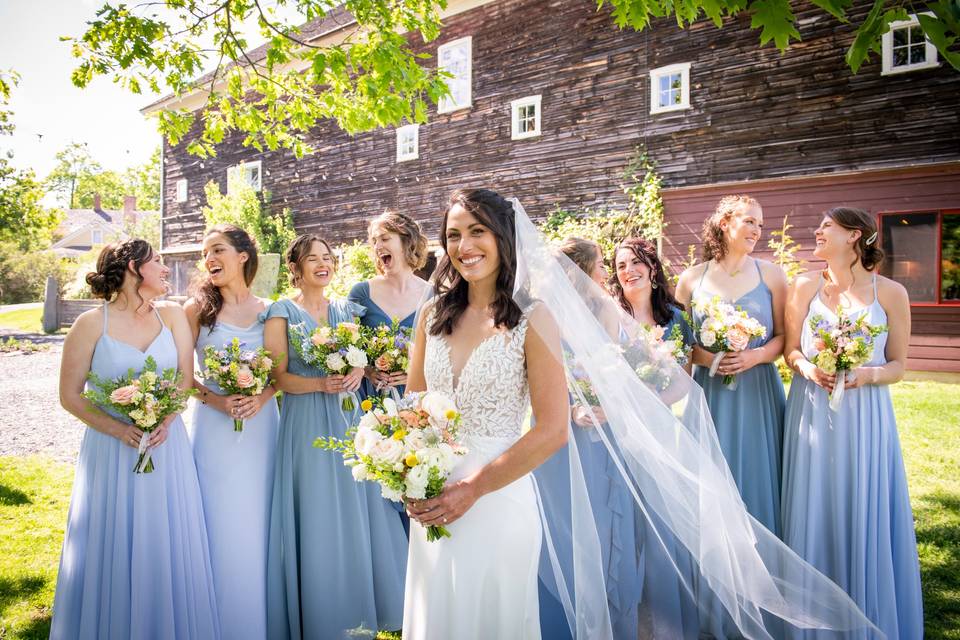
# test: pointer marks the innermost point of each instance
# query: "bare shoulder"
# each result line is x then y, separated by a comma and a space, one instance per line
692, 273
772, 272
891, 292
88, 323
191, 308
171, 311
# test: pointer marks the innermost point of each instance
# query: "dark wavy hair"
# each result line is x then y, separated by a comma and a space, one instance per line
411, 237
107, 281
207, 295
714, 244
661, 300
495, 213
867, 246
299, 249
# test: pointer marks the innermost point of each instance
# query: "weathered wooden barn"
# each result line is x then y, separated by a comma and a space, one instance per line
550, 99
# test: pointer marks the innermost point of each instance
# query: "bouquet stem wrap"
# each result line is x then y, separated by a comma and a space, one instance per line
729, 380
837, 396
144, 460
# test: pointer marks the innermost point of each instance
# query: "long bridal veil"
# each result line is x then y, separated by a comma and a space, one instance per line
663, 451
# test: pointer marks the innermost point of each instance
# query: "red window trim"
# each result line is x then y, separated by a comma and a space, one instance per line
939, 259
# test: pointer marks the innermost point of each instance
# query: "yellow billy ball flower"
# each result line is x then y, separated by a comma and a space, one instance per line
411, 460
366, 405
451, 414
399, 434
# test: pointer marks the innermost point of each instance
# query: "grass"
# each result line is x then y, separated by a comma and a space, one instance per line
34, 496
35, 492
11, 345
28, 320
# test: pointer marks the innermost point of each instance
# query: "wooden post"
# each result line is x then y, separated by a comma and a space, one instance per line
51, 304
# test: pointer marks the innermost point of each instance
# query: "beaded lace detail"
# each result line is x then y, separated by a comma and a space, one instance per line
492, 392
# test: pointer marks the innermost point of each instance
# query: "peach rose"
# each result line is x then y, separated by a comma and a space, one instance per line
383, 363
124, 395
819, 344
245, 378
737, 340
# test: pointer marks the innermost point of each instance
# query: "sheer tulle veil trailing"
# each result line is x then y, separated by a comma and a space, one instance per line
664, 446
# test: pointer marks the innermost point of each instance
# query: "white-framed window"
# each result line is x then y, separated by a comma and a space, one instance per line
456, 58
905, 48
525, 119
247, 171
96, 236
670, 88
182, 190
408, 142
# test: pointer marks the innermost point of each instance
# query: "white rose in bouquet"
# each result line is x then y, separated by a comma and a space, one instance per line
387, 451
359, 471
390, 494
335, 362
708, 338
365, 440
356, 357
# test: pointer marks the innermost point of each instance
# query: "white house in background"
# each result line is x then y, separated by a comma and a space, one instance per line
83, 229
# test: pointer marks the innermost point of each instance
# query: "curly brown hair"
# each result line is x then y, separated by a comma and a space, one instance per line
411, 237
208, 297
107, 281
714, 244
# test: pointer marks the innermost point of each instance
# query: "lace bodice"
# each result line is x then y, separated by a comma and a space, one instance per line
492, 392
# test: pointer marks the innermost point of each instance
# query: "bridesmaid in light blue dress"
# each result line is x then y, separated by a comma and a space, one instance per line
337, 551
235, 469
135, 562
846, 508
399, 249
749, 417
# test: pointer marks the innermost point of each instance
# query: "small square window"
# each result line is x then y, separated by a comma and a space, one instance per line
249, 172
525, 120
906, 48
408, 142
456, 58
182, 190
96, 236
670, 88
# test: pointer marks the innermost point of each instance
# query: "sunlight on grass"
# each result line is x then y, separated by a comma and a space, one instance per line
30, 320
34, 496
35, 492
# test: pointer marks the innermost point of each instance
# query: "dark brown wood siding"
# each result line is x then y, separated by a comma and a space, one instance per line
755, 114
935, 339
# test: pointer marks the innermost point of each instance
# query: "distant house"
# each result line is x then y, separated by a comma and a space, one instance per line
83, 229
549, 100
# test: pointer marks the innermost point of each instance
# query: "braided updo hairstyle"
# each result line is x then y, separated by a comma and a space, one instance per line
867, 246
107, 281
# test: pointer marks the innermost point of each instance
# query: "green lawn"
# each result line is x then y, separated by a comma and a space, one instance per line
35, 492
30, 320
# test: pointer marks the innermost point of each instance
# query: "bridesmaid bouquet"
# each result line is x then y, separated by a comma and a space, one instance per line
842, 346
236, 370
388, 347
145, 400
724, 329
654, 357
335, 350
409, 447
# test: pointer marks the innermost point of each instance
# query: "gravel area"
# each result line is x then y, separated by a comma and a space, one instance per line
31, 418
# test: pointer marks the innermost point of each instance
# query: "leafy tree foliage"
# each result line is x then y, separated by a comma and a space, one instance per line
78, 177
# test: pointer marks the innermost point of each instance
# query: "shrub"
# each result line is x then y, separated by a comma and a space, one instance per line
23, 276
355, 264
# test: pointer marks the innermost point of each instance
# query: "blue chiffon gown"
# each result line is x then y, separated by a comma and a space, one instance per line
135, 563
337, 552
846, 509
374, 317
236, 480
749, 424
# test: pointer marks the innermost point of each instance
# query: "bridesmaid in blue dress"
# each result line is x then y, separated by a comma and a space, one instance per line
337, 552
399, 249
641, 288
135, 561
235, 469
846, 509
748, 418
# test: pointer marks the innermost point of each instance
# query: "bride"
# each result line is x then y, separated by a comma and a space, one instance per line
472, 344
493, 340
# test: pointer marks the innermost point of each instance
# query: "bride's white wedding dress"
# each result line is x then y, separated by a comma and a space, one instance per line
481, 582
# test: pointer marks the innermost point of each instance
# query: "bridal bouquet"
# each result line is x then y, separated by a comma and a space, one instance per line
144, 400
726, 328
335, 350
655, 357
388, 347
842, 346
409, 447
236, 370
